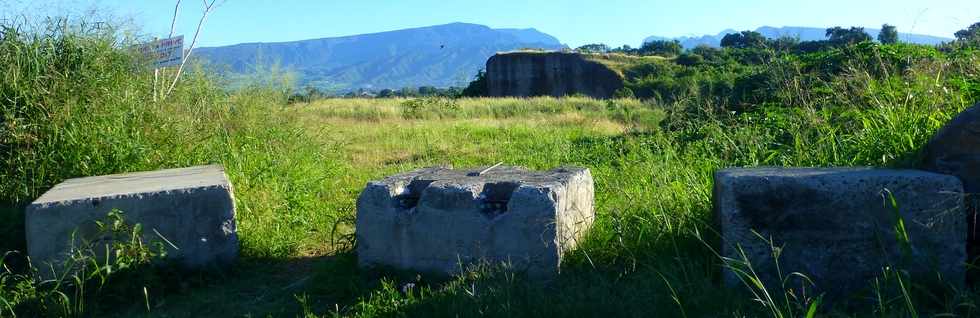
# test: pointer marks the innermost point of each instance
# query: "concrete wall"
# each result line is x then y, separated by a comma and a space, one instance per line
525, 74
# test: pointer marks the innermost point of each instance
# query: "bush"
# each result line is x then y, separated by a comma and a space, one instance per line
624, 92
661, 48
429, 108
689, 59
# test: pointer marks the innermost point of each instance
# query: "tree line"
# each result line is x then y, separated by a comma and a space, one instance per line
836, 37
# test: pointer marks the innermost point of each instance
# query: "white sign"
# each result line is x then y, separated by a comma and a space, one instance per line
164, 52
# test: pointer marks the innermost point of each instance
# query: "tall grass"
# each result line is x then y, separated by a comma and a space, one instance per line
634, 113
76, 101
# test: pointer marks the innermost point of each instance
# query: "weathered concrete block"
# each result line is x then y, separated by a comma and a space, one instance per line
192, 208
955, 150
441, 220
836, 225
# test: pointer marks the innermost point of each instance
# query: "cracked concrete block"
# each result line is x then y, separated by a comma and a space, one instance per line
837, 225
192, 208
441, 220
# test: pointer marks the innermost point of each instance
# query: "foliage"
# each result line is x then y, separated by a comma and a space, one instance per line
970, 33
888, 34
708, 53
59, 81
625, 49
841, 36
309, 94
624, 93
741, 79
689, 59
661, 48
478, 87
593, 48
968, 38
637, 117
783, 44
418, 108
744, 40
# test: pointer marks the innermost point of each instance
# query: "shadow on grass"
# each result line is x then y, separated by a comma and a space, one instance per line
336, 285
12, 236
667, 284
12, 227
250, 287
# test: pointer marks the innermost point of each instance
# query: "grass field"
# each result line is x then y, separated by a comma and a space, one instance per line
297, 178
73, 106
362, 140
650, 251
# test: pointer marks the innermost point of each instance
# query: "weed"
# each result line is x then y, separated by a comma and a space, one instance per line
106, 266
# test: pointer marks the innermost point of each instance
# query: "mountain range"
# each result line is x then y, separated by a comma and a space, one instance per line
802, 33
440, 56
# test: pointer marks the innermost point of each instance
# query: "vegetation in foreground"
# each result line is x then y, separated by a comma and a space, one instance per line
74, 104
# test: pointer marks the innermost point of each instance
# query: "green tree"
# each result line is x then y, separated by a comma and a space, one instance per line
689, 59
428, 91
478, 87
784, 43
625, 49
662, 48
744, 40
971, 33
593, 48
888, 34
841, 36
708, 53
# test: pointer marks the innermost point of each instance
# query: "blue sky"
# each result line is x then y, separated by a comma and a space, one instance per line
574, 22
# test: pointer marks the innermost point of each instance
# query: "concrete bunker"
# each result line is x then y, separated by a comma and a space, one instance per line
557, 74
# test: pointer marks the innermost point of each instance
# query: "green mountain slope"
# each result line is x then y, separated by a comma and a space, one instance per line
441, 56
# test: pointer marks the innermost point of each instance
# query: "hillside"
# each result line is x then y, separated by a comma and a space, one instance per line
803, 33
441, 56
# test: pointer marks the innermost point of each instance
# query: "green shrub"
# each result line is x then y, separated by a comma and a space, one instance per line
689, 59
637, 116
430, 107
741, 79
624, 92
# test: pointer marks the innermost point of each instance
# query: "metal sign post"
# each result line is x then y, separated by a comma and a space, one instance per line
163, 53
